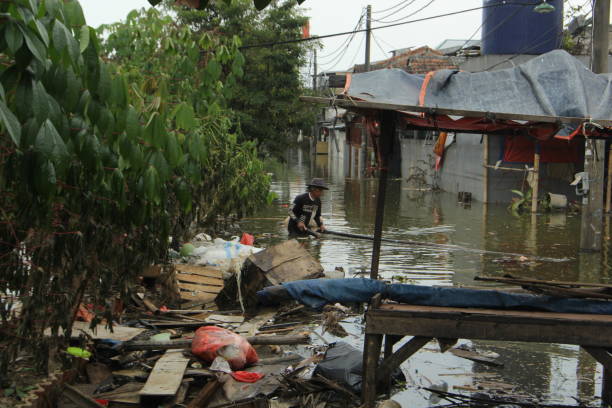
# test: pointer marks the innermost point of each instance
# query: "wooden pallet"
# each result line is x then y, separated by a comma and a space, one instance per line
195, 283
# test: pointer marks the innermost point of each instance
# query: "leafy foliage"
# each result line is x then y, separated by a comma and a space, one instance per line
203, 4
266, 100
101, 160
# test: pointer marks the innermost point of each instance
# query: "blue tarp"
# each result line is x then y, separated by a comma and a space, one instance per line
316, 293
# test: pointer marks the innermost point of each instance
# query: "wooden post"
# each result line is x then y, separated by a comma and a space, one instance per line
592, 212
536, 179
485, 161
592, 204
609, 186
387, 129
371, 357
603, 357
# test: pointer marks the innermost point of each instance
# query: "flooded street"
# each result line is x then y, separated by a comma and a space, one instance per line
550, 373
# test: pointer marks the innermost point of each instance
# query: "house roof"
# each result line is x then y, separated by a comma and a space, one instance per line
418, 61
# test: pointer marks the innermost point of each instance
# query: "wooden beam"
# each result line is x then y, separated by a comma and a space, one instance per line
166, 377
186, 343
352, 103
392, 362
371, 354
609, 185
390, 341
387, 133
592, 330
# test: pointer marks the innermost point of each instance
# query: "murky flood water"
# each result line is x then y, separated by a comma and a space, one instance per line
551, 373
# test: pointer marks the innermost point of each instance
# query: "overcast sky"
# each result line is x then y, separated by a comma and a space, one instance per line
332, 16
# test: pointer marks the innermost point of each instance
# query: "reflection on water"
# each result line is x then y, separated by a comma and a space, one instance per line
553, 373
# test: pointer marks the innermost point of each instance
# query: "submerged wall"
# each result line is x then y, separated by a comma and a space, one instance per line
463, 170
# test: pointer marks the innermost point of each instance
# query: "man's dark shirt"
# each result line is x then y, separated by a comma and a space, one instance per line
302, 210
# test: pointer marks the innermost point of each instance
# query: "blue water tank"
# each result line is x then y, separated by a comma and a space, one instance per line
513, 27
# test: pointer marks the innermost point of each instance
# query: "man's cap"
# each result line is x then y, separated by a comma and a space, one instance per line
318, 183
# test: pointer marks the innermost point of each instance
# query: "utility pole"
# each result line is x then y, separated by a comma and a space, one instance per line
314, 77
368, 35
591, 230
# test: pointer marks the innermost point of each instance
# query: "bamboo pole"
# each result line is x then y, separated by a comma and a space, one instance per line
609, 186
485, 160
536, 179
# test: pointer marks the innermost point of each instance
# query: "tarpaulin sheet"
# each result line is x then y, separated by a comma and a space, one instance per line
316, 293
521, 149
552, 84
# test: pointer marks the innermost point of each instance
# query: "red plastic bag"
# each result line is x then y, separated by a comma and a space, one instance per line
211, 341
247, 239
247, 377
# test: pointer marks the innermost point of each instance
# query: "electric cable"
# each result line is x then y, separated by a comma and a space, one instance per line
418, 20
392, 7
396, 11
406, 16
499, 25
344, 43
378, 44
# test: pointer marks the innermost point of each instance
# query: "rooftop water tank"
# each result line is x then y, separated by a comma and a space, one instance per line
513, 27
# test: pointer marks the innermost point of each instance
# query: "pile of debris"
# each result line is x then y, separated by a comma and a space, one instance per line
203, 353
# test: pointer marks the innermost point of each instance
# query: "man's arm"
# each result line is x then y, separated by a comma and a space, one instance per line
296, 214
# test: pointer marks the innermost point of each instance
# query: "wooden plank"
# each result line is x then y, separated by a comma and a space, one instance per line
353, 103
166, 377
187, 277
490, 328
120, 333
392, 362
198, 297
603, 357
209, 271
200, 288
528, 315
80, 399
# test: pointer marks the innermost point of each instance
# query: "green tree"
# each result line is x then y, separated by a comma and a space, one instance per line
266, 101
101, 160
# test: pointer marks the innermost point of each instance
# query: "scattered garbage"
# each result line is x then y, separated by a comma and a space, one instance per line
78, 352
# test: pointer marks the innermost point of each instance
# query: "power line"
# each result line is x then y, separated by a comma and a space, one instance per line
392, 7
378, 44
344, 43
406, 16
418, 20
398, 10
340, 56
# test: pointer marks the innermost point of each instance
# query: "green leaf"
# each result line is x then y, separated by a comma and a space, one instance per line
151, 185
36, 47
73, 14
155, 130
40, 104
2, 94
49, 143
91, 151
183, 194
161, 165
53, 7
173, 150
84, 38
185, 117
63, 40
72, 91
104, 83
13, 37
10, 123
132, 125
42, 31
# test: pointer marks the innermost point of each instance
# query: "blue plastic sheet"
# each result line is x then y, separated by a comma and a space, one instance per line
316, 293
